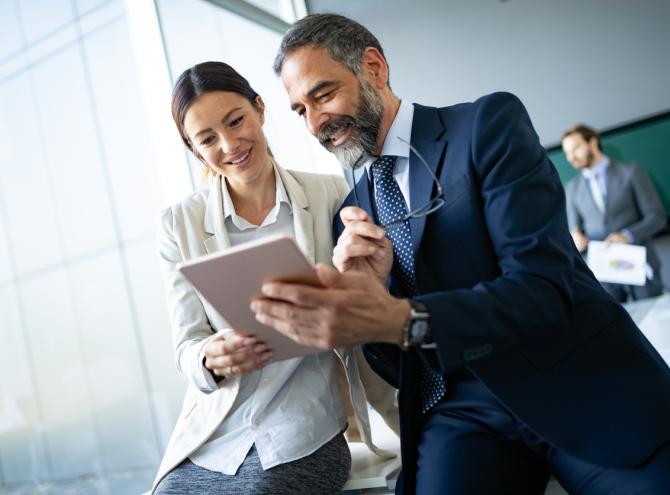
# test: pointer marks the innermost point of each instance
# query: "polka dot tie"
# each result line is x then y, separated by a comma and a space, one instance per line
391, 209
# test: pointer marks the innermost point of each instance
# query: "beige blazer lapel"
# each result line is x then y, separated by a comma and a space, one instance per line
214, 218
303, 221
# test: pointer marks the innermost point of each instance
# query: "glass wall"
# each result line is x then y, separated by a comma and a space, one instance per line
287, 10
88, 390
87, 383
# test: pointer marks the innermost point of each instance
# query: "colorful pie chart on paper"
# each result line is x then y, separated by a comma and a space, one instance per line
621, 265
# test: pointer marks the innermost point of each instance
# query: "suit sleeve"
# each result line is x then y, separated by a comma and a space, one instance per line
524, 212
652, 215
190, 327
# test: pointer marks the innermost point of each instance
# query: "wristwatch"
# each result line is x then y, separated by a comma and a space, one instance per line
417, 328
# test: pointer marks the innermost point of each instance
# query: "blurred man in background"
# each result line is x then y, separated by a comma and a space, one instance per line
613, 202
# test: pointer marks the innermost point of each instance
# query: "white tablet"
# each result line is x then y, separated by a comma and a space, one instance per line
230, 279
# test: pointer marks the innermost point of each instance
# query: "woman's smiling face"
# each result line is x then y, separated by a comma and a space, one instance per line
226, 132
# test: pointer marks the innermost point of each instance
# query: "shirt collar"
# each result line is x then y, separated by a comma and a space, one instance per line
281, 194
597, 169
401, 127
280, 197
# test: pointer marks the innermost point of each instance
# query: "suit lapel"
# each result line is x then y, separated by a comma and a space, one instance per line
612, 183
364, 192
428, 139
213, 222
303, 221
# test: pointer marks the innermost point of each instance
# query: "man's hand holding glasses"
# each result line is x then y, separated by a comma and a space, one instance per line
363, 246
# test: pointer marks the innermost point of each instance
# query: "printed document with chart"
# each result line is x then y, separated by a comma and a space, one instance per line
617, 263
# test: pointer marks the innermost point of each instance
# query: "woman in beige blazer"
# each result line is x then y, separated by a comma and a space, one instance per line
248, 424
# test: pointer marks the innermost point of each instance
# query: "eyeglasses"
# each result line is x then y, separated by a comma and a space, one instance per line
432, 205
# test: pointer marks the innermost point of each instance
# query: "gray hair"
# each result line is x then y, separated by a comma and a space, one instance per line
344, 39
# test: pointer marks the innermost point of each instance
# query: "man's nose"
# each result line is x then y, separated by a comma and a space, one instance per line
315, 121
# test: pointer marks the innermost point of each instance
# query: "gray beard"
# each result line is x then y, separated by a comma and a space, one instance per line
350, 155
365, 127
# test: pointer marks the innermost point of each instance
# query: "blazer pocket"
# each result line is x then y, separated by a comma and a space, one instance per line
589, 321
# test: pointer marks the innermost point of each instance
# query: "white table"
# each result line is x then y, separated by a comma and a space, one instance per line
653, 318
369, 473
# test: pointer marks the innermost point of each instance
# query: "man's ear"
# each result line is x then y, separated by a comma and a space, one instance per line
374, 67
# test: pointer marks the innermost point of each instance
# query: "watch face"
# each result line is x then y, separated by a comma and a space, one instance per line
418, 332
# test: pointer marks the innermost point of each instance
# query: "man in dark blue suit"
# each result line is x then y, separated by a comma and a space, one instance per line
511, 361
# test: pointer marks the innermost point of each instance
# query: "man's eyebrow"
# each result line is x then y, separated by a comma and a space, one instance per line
313, 90
222, 120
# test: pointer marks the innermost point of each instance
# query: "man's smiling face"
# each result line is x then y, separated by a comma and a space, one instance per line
342, 110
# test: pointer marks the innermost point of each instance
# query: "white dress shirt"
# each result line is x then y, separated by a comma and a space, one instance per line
289, 409
596, 176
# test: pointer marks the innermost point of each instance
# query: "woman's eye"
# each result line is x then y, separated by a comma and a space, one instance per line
237, 121
207, 141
